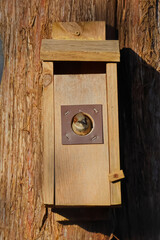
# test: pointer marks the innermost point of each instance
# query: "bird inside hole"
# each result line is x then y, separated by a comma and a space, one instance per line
81, 124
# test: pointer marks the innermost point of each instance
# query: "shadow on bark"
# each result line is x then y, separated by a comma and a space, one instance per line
139, 120
93, 219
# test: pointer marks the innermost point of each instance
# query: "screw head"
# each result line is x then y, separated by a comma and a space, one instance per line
94, 138
95, 110
67, 137
66, 113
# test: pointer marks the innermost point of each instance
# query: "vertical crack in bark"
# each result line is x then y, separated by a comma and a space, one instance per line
157, 14
1, 60
44, 219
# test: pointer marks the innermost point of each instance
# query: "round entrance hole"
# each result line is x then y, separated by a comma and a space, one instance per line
82, 124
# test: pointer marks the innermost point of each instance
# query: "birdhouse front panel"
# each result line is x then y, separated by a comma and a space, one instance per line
81, 170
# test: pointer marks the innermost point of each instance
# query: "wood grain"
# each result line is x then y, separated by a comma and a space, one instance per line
81, 170
112, 104
23, 24
79, 30
74, 50
116, 176
48, 125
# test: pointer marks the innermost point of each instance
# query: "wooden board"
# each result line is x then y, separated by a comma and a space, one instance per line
113, 126
74, 50
48, 126
81, 171
79, 30
116, 176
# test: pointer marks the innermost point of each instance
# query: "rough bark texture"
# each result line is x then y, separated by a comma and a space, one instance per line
23, 25
139, 101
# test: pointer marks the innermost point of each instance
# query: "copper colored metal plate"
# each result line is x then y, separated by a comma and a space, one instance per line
93, 111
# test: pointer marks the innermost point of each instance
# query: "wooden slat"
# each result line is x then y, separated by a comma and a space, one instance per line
113, 127
48, 125
79, 30
81, 170
74, 50
116, 176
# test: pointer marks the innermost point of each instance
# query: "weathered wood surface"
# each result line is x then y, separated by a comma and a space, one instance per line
48, 133
79, 31
23, 25
74, 50
115, 176
113, 128
81, 171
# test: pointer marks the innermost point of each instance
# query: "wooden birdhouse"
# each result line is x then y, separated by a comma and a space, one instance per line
80, 116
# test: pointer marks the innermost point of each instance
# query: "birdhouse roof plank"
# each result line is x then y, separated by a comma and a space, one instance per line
80, 50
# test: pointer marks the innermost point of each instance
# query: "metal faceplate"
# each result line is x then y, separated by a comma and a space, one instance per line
93, 112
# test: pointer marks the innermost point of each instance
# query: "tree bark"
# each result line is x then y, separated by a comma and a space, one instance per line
23, 25
139, 85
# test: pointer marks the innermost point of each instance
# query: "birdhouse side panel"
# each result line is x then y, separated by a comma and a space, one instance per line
48, 133
112, 100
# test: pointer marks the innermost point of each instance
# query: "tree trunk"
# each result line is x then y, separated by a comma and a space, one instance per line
23, 25
139, 86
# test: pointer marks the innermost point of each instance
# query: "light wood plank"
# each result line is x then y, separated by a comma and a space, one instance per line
113, 127
81, 170
79, 30
116, 176
48, 126
74, 50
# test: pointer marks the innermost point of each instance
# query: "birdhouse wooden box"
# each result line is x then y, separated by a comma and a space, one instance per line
80, 116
